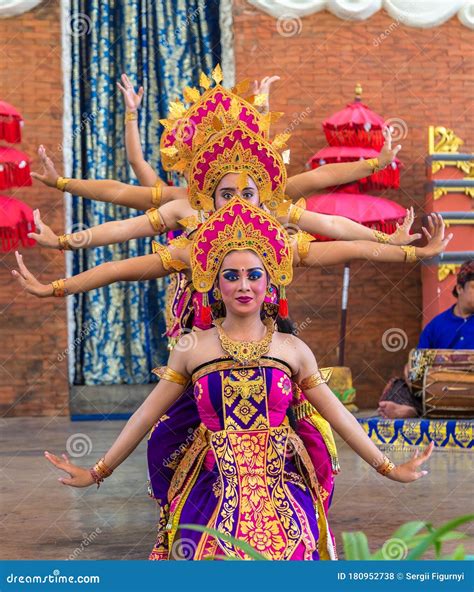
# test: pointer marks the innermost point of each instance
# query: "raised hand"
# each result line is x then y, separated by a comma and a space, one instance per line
131, 98
78, 477
44, 236
28, 281
388, 154
50, 174
435, 234
409, 471
263, 88
402, 235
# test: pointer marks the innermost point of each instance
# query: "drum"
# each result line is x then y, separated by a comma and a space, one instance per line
447, 392
421, 359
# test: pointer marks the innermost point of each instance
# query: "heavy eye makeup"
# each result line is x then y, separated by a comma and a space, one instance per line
232, 275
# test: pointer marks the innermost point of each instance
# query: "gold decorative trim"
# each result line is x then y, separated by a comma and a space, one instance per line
229, 364
440, 191
444, 269
443, 140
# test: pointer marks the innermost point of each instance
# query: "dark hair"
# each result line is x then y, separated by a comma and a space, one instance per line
465, 274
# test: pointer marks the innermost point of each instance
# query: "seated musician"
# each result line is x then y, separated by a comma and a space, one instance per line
451, 329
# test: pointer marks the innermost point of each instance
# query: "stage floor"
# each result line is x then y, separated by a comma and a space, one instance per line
43, 519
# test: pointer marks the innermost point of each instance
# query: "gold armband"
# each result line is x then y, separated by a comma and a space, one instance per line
59, 288
295, 214
169, 263
130, 116
61, 183
155, 219
410, 253
303, 241
167, 373
157, 194
385, 466
374, 164
63, 242
311, 381
381, 237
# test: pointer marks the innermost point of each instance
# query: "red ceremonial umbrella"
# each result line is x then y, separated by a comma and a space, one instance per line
375, 212
388, 177
14, 168
11, 123
356, 125
16, 220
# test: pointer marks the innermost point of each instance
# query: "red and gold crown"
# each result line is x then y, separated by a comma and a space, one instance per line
238, 150
240, 226
216, 109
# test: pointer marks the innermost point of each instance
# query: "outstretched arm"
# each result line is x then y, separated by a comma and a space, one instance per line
109, 190
136, 428
155, 221
341, 228
147, 267
142, 169
346, 425
330, 175
337, 252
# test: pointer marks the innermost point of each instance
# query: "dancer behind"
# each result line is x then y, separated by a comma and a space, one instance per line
240, 478
185, 131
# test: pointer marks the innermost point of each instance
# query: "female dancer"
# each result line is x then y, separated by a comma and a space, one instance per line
249, 476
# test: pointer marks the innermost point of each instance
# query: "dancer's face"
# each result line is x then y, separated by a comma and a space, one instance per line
243, 282
228, 188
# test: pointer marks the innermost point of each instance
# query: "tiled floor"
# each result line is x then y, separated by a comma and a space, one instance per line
43, 519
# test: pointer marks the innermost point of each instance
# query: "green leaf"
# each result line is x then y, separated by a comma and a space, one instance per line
458, 554
433, 537
242, 545
356, 546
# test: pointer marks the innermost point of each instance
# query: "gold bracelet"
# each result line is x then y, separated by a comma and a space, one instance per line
295, 214
102, 469
59, 288
155, 220
375, 164
169, 263
61, 183
410, 253
386, 466
130, 116
311, 381
157, 194
166, 373
303, 241
63, 241
381, 237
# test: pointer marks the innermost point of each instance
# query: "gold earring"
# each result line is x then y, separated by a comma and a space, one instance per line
216, 293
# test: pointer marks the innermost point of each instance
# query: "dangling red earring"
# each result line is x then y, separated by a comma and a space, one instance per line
206, 317
283, 304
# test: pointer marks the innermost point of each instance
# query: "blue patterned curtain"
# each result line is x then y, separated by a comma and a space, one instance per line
162, 45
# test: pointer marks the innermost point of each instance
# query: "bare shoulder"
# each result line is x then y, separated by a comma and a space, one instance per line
291, 349
199, 347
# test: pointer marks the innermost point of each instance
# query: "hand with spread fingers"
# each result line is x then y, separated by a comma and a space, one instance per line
50, 174
402, 235
262, 89
409, 471
435, 235
28, 281
78, 477
44, 236
131, 98
387, 154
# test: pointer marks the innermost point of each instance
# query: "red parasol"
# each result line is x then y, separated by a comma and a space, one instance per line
11, 123
356, 125
14, 168
386, 178
16, 220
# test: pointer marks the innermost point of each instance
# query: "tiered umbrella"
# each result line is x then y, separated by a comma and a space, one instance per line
355, 133
16, 218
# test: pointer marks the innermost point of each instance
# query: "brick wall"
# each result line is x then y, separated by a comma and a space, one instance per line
33, 332
419, 76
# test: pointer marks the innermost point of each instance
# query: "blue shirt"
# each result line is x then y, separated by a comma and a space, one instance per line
448, 331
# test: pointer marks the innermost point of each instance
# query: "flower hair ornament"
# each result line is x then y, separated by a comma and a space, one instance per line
206, 114
240, 226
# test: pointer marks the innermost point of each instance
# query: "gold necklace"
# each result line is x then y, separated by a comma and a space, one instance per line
246, 352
